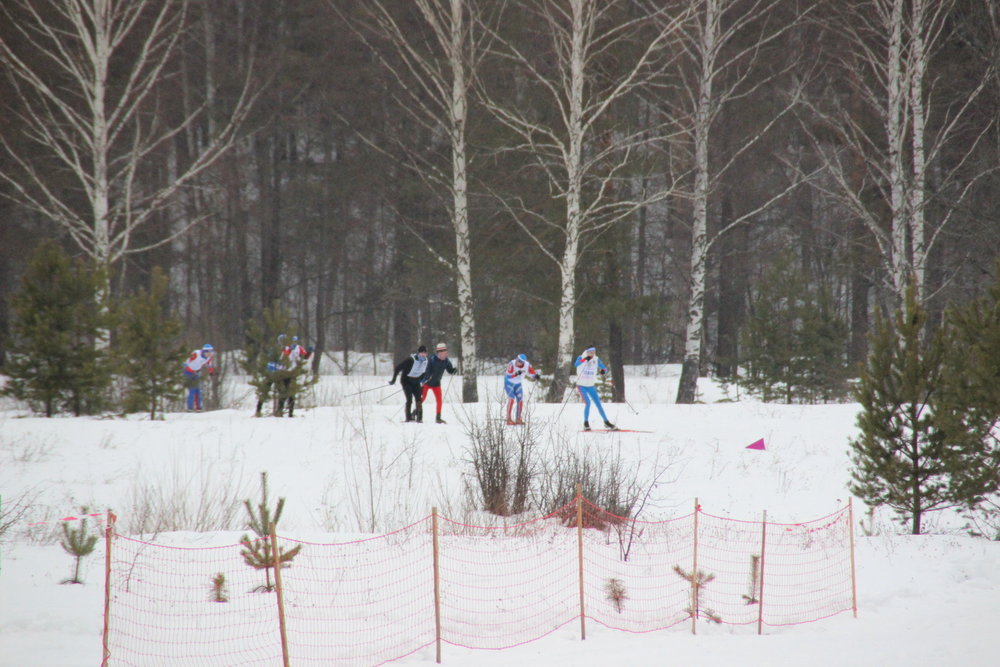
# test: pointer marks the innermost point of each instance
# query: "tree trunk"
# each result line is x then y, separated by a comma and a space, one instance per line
460, 206
574, 191
688, 386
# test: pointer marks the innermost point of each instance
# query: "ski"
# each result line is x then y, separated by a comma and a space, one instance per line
613, 430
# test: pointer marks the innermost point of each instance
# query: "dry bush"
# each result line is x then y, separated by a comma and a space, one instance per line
201, 496
504, 461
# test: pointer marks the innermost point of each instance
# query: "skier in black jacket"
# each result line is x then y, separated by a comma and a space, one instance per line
436, 367
411, 371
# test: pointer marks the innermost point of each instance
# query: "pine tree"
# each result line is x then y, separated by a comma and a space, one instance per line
967, 407
55, 361
257, 552
77, 543
900, 458
147, 348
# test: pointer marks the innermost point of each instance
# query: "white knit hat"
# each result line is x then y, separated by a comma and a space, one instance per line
441, 347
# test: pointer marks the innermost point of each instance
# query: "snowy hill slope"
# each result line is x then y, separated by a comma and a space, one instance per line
352, 468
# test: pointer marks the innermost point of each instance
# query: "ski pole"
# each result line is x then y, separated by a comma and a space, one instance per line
625, 400
364, 391
565, 401
634, 411
389, 395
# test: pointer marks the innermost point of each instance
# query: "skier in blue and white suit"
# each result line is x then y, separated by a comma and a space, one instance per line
588, 366
513, 379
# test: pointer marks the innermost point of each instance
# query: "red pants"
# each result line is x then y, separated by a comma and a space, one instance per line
437, 395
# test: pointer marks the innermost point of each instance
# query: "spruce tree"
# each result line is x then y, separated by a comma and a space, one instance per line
147, 348
55, 360
257, 552
899, 457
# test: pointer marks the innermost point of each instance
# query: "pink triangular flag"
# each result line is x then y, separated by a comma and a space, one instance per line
757, 445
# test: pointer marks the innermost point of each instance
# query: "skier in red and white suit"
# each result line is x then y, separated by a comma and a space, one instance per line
196, 362
517, 369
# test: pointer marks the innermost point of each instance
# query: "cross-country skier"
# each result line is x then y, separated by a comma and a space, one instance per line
411, 370
293, 356
517, 370
588, 366
196, 362
436, 367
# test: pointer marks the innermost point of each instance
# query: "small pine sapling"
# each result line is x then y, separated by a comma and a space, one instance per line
78, 543
614, 589
219, 591
698, 581
257, 552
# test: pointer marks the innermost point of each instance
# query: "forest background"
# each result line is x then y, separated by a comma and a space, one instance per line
529, 176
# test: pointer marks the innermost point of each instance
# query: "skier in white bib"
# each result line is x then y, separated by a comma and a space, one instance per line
588, 367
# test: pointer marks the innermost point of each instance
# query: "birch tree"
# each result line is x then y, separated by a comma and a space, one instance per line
724, 49
434, 76
582, 156
92, 105
910, 135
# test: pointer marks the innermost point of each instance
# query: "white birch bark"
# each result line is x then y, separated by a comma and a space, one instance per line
579, 172
889, 45
895, 141
101, 135
712, 31
436, 97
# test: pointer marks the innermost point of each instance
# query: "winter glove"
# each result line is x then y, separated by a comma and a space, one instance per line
538, 376
603, 371
521, 372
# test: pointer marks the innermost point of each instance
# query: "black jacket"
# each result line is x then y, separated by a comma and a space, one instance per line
435, 370
403, 368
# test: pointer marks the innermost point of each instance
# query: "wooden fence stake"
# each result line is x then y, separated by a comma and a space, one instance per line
437, 584
109, 530
694, 575
760, 596
281, 600
579, 548
854, 579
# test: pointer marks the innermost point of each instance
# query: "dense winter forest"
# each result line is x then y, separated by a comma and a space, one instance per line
660, 178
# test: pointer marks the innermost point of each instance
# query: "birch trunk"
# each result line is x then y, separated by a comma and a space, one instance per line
460, 204
708, 50
895, 140
106, 137
435, 76
574, 186
918, 122
748, 29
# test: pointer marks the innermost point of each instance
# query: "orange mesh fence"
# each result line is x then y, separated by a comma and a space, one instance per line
505, 586
629, 582
162, 610
372, 601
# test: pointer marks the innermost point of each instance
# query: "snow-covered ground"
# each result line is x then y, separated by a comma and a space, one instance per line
348, 466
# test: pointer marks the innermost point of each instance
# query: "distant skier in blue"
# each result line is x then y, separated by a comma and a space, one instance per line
588, 365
